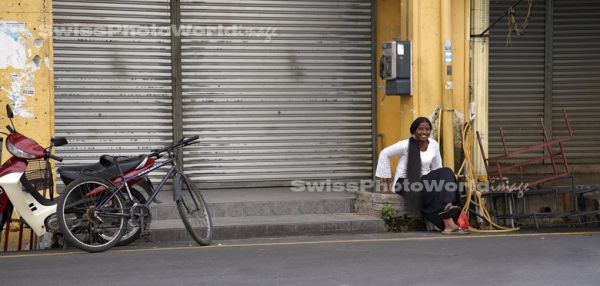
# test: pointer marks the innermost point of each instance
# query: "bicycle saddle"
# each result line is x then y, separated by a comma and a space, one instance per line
104, 168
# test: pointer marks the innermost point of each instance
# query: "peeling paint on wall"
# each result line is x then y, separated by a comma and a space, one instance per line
39, 43
15, 95
14, 40
12, 52
26, 42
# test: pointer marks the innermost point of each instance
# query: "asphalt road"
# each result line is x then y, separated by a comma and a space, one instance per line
389, 259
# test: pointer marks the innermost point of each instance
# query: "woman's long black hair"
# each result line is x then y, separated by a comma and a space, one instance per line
413, 168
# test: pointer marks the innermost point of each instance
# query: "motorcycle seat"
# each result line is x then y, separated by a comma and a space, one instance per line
104, 168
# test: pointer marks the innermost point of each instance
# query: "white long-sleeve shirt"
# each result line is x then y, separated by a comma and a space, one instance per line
430, 159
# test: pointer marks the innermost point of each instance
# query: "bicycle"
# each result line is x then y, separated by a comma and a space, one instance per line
93, 213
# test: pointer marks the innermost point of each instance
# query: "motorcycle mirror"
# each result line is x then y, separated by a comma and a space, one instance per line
59, 141
9, 112
10, 115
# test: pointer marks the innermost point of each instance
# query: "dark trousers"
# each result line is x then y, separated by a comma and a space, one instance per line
437, 189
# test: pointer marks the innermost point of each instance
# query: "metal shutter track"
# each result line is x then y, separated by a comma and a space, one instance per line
112, 92
268, 112
516, 78
576, 77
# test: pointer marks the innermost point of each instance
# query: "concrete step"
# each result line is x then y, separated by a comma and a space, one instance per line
168, 210
266, 212
233, 203
271, 226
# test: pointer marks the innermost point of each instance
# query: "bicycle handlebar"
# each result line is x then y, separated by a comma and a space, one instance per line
182, 142
49, 155
189, 140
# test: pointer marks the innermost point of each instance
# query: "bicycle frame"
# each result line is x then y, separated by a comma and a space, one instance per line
173, 171
97, 209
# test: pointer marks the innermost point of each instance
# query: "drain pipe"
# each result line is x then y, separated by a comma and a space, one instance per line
448, 84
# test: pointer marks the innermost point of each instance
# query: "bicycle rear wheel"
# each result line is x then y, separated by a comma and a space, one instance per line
193, 211
84, 222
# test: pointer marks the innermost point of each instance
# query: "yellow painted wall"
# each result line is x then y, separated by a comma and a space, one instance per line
395, 113
26, 67
389, 108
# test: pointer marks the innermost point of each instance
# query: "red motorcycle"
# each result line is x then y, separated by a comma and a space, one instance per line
20, 191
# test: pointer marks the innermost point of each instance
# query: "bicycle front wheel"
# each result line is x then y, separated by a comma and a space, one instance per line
193, 211
87, 222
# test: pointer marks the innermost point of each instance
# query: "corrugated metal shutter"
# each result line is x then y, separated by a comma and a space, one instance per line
576, 76
516, 78
112, 77
295, 106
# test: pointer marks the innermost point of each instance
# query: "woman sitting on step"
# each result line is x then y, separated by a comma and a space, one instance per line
421, 179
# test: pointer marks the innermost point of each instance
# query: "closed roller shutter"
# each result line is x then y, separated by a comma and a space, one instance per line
295, 106
576, 76
112, 82
516, 79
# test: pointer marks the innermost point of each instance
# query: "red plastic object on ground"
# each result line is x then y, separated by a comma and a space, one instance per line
463, 221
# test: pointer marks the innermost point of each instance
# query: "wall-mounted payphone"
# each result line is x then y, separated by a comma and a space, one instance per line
395, 67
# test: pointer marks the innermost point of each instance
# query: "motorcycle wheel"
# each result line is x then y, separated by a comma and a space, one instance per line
4, 216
